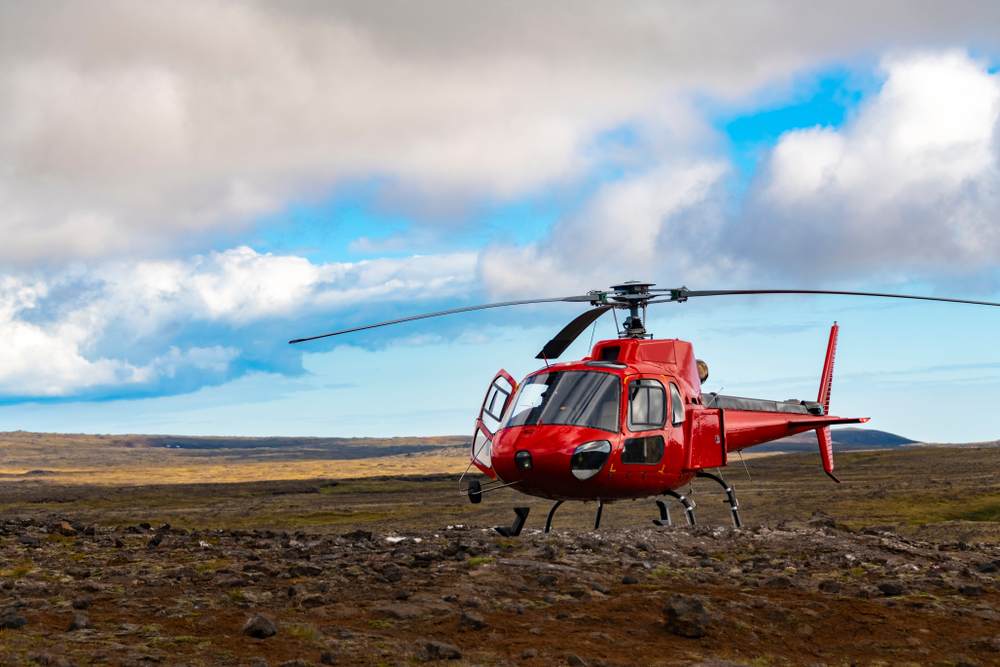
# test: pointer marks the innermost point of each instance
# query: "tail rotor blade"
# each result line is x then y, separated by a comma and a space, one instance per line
570, 332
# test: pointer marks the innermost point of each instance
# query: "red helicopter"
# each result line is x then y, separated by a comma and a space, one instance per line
629, 420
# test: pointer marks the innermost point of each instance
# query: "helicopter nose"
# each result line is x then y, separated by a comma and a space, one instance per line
546, 456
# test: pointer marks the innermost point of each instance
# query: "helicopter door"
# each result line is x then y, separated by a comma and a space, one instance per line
707, 439
494, 405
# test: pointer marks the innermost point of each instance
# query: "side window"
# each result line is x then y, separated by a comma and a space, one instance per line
648, 450
647, 403
676, 406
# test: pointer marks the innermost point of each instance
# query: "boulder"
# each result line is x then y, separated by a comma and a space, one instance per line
686, 616
259, 627
443, 651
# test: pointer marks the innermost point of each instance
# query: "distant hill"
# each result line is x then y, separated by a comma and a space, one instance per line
844, 439
263, 448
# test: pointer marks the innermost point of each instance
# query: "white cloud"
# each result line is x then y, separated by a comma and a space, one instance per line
131, 126
908, 187
657, 225
52, 328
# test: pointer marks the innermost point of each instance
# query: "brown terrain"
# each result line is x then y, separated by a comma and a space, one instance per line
897, 566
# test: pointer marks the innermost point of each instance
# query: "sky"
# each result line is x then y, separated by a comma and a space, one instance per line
187, 186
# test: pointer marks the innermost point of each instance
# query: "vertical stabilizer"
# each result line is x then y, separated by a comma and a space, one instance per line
825, 384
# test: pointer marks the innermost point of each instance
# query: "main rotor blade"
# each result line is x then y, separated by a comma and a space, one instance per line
564, 338
585, 297
684, 293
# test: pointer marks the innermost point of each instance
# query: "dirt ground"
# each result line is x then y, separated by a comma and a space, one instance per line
897, 566
816, 595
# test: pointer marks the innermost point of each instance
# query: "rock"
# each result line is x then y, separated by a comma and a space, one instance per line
312, 601
573, 660
402, 594
327, 657
686, 616
821, 519
304, 570
443, 651
529, 653
259, 627
80, 622
9, 619
829, 587
471, 619
230, 581
82, 602
890, 588
359, 536
970, 589
298, 662
547, 580
601, 588
29, 541
64, 528
404, 611
155, 542
987, 568
775, 581
628, 579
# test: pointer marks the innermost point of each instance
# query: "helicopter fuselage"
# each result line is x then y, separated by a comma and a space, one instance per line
628, 421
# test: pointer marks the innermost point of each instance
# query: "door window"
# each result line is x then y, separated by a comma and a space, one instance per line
497, 399
648, 450
482, 448
647, 402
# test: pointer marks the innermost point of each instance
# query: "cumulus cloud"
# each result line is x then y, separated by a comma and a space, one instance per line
88, 330
137, 126
908, 188
659, 225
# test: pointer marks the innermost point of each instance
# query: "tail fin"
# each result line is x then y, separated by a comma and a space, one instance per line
825, 384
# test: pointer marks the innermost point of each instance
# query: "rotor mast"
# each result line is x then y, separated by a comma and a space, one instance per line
632, 295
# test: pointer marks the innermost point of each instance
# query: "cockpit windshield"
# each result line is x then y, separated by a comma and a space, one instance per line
576, 398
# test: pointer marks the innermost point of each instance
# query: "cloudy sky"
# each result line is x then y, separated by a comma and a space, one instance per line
186, 186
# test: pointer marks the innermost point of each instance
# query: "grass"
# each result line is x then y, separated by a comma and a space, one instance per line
479, 561
309, 632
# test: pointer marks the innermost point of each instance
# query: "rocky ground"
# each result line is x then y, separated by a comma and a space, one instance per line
681, 595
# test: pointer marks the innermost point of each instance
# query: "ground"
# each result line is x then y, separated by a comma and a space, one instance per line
897, 566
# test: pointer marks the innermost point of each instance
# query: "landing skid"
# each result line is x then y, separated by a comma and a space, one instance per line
730, 494
515, 529
522, 515
664, 519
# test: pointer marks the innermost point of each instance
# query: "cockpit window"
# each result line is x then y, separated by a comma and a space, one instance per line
575, 398
646, 405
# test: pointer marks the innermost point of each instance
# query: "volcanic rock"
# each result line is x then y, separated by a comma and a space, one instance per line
259, 627
686, 616
443, 651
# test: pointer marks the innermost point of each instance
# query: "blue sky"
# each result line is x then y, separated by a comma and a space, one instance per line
173, 216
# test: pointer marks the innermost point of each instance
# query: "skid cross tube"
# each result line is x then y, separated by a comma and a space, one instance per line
735, 507
552, 513
688, 506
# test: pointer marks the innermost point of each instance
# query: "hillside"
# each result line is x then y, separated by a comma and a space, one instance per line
844, 439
